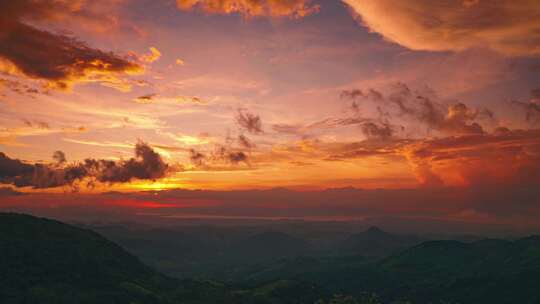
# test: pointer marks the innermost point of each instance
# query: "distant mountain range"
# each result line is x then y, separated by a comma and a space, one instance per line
375, 242
268, 245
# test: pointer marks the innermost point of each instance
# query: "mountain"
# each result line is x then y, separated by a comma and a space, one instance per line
487, 271
268, 245
45, 261
375, 242
172, 252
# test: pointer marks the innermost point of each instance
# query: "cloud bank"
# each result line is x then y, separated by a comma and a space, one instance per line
506, 26
146, 165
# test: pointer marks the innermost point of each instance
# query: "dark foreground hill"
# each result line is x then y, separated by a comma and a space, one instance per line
45, 261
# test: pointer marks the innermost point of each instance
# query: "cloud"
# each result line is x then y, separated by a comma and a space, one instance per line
288, 128
59, 157
327, 123
379, 131
57, 59
37, 124
196, 157
399, 111
221, 158
12, 169
250, 8
509, 27
531, 109
502, 157
154, 55
249, 122
148, 98
362, 152
236, 157
146, 165
223, 153
157, 98
404, 104
18, 87
245, 142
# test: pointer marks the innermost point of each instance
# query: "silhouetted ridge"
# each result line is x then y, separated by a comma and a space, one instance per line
375, 230
44, 259
376, 242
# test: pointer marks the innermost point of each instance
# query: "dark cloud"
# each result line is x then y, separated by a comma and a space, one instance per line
228, 155
154, 97
249, 122
148, 98
415, 106
13, 169
221, 158
146, 165
236, 157
37, 124
382, 116
531, 109
196, 157
58, 59
379, 131
357, 94
370, 128
59, 157
245, 142
352, 94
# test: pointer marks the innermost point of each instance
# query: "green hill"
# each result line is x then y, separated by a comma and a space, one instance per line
375, 242
45, 261
488, 271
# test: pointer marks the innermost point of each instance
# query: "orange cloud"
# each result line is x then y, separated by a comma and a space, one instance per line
154, 55
503, 157
250, 8
509, 27
57, 59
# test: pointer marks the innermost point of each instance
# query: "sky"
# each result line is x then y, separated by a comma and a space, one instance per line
411, 109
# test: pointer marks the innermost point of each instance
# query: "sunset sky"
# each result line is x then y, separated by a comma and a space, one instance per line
431, 107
